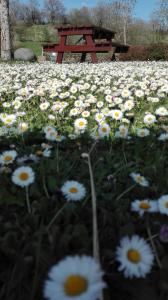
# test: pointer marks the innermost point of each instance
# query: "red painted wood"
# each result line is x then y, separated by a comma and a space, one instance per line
61, 52
90, 42
60, 57
80, 48
89, 33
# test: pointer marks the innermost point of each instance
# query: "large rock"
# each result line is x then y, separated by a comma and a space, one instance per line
24, 54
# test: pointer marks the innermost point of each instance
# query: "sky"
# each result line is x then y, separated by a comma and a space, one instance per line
143, 8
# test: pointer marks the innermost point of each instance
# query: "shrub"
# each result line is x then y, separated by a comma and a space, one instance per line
158, 52
142, 53
135, 52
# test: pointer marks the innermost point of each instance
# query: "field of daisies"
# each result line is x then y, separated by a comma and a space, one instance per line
84, 181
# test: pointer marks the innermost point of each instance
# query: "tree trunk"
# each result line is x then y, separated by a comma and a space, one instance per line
5, 30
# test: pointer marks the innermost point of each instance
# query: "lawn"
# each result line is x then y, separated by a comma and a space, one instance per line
83, 181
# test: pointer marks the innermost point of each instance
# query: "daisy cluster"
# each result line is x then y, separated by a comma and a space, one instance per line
64, 102
100, 100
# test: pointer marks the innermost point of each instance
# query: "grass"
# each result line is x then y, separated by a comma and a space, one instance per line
35, 46
30, 243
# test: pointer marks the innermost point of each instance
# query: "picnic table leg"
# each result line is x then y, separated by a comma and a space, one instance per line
60, 57
83, 57
113, 54
62, 44
94, 58
90, 42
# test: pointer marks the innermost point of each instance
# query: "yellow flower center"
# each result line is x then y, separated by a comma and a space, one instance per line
81, 123
139, 178
142, 133
166, 204
39, 152
144, 205
104, 129
73, 190
23, 176
133, 256
8, 158
116, 114
75, 285
122, 130
8, 120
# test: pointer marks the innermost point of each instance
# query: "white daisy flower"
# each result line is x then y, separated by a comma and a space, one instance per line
149, 119
135, 257
104, 130
73, 190
51, 117
139, 93
123, 130
51, 135
165, 127
73, 89
80, 124
163, 137
109, 98
99, 104
85, 114
142, 206
116, 114
78, 103
99, 117
163, 204
161, 111
125, 93
9, 119
75, 277
22, 127
48, 129
23, 176
105, 111
46, 153
74, 112
44, 105
7, 157
129, 104
138, 178
142, 132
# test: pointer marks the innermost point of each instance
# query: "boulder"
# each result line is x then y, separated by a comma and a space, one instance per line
24, 54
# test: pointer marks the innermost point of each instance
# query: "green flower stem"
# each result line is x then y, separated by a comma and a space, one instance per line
28, 201
56, 216
125, 192
152, 243
45, 187
96, 251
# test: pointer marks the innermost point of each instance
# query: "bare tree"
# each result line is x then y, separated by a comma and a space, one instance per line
5, 30
32, 12
100, 13
17, 11
125, 8
80, 16
159, 21
54, 11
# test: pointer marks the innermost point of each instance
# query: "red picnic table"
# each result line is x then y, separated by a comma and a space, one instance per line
92, 37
